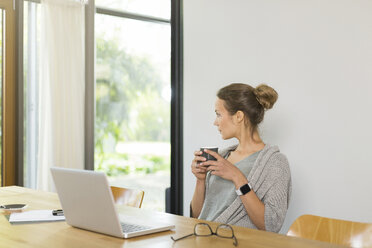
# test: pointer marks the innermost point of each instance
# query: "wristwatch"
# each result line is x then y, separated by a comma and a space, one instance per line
244, 189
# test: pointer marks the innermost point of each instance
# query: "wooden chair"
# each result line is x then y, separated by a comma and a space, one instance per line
341, 232
129, 197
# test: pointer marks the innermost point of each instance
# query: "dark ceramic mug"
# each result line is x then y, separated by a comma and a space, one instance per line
207, 155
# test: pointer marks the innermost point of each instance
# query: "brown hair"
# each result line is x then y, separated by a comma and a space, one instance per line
251, 101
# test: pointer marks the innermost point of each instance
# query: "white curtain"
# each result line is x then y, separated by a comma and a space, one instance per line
62, 85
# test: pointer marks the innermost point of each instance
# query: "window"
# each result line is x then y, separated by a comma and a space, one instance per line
133, 93
134, 137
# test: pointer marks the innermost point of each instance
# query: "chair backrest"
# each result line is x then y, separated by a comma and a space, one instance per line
341, 232
129, 197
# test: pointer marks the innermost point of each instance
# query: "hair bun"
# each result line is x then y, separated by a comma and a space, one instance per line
265, 95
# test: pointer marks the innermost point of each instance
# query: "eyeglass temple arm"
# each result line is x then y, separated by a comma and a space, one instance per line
235, 241
182, 237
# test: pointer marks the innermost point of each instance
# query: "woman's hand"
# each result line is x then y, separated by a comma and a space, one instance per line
197, 169
224, 168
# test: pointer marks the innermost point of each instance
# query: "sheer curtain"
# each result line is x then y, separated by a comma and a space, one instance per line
62, 85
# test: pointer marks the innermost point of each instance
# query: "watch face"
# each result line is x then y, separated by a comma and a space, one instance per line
245, 189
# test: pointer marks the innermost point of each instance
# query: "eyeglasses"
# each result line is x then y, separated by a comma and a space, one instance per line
204, 230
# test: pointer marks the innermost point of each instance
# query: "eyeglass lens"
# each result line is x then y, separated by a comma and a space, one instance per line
224, 231
202, 229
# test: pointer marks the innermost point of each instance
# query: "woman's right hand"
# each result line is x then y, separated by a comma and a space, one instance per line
199, 172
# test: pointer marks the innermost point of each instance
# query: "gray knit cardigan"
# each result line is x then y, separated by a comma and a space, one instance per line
270, 179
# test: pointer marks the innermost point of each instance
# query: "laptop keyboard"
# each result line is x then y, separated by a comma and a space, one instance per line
128, 228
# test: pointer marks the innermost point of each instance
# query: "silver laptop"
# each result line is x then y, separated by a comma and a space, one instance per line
87, 203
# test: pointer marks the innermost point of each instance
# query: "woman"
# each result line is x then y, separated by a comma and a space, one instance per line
250, 183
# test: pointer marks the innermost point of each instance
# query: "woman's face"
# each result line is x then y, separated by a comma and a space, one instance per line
224, 121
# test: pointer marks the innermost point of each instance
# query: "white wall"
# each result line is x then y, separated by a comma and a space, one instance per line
318, 55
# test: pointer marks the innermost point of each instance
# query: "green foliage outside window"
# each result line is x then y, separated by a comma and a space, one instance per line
129, 107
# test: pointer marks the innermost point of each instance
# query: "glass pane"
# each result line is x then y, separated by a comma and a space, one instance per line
31, 36
1, 90
132, 128
156, 8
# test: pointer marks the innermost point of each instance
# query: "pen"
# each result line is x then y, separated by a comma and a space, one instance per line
57, 212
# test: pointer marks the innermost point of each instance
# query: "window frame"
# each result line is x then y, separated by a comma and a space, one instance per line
176, 191
8, 159
175, 197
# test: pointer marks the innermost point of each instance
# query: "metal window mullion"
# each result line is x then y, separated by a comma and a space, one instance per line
18, 4
34, 1
176, 197
90, 82
129, 15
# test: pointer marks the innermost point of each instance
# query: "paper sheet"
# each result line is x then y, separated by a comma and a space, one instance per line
34, 216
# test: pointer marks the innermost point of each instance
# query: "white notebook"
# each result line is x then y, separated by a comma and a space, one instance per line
33, 216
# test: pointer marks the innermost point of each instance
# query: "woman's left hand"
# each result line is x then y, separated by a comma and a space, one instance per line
222, 167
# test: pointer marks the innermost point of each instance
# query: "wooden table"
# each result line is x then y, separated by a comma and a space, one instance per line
59, 234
